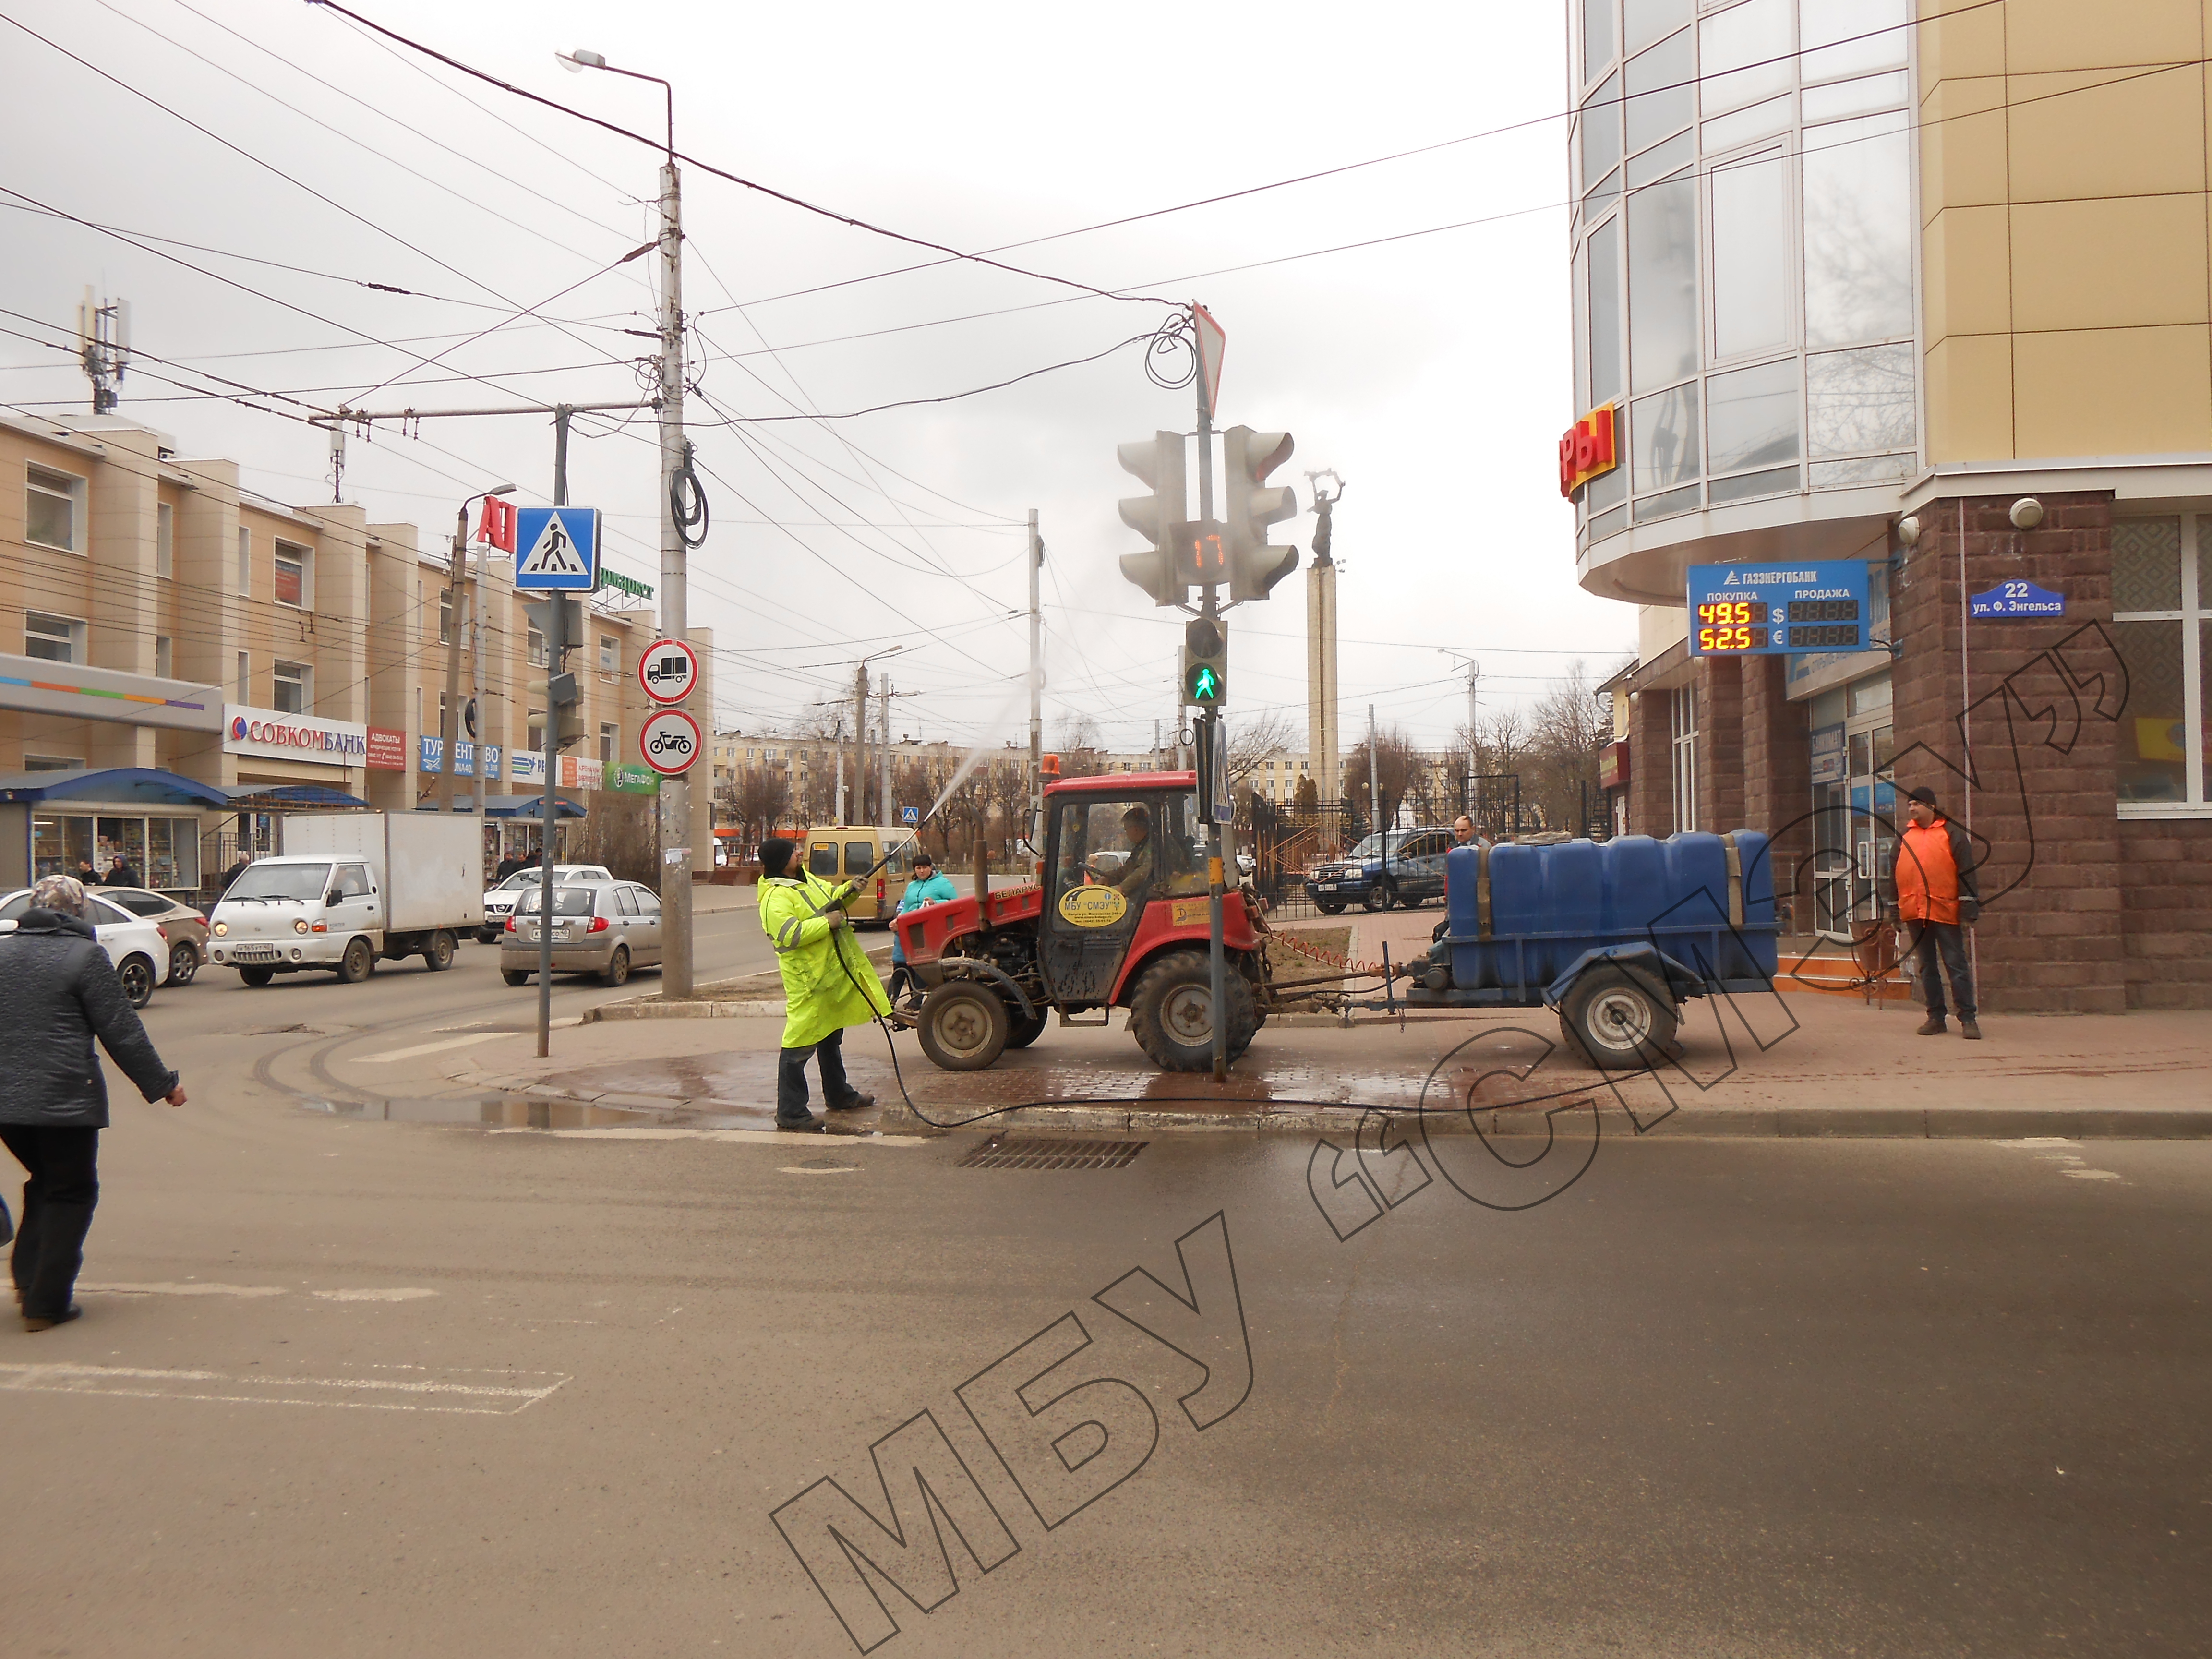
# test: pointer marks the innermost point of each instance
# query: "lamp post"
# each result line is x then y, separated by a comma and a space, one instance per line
675, 472
449, 759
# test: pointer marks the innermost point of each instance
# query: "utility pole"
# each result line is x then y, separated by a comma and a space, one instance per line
1374, 789
1037, 694
883, 758
676, 541
860, 745
449, 725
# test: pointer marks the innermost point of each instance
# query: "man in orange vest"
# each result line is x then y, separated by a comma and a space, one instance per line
1937, 897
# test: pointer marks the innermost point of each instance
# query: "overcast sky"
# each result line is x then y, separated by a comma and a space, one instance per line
1431, 372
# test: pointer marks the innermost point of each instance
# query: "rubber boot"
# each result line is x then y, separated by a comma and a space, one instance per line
50, 1275
1932, 1026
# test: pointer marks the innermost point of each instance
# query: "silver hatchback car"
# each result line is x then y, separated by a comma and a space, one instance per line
603, 927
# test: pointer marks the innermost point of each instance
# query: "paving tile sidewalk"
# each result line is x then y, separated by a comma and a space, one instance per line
1829, 1066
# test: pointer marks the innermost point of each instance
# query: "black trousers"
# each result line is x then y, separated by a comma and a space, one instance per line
1948, 940
58, 1204
791, 1079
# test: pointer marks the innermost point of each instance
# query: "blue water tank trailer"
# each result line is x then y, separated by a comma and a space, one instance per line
1612, 934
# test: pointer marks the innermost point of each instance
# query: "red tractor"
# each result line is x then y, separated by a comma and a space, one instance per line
1120, 920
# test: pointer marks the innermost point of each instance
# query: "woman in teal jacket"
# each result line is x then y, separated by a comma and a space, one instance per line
926, 887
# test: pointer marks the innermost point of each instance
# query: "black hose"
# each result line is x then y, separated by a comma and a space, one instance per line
687, 499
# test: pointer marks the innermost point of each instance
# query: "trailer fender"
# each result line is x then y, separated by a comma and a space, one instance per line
998, 976
1666, 979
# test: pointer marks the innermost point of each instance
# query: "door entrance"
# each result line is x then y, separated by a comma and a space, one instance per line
1854, 810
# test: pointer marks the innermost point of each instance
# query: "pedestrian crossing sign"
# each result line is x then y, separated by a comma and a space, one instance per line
556, 548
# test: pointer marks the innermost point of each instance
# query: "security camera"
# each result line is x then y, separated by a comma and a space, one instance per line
2027, 512
1908, 531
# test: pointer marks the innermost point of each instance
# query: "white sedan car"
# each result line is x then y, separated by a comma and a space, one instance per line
136, 947
499, 904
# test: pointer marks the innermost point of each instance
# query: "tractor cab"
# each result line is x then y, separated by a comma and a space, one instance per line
1120, 918
1115, 847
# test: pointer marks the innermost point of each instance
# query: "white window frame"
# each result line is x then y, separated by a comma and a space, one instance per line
2194, 616
303, 676
293, 553
1682, 735
609, 654
610, 742
40, 480
71, 639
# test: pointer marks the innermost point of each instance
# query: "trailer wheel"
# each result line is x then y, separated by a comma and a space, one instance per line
1023, 1031
358, 962
1171, 1011
1616, 1021
963, 1026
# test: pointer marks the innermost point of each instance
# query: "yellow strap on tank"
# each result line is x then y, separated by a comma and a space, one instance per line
1736, 879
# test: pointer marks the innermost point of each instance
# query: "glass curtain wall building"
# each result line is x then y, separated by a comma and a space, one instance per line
1743, 275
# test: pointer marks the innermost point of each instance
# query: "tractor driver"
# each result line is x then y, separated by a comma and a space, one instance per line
1135, 875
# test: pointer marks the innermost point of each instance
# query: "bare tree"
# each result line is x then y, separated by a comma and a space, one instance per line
1568, 725
1252, 738
1398, 767
1082, 751
760, 799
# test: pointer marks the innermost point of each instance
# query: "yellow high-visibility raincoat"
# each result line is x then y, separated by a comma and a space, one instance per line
820, 996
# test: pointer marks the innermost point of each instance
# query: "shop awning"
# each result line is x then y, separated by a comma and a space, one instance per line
285, 797
112, 785
533, 806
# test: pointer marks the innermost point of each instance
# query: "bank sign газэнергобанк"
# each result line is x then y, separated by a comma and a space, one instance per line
271, 733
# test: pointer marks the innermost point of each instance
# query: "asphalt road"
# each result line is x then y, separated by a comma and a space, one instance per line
352, 1387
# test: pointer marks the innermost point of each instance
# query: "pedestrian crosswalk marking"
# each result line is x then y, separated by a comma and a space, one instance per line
555, 553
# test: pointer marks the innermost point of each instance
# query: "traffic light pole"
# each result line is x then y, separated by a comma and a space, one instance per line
557, 643
1217, 955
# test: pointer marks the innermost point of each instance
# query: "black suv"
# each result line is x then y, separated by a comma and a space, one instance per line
1411, 873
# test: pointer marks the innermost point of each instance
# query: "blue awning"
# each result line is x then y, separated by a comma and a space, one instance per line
119, 786
533, 806
290, 794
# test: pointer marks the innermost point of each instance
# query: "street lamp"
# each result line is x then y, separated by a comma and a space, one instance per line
449, 760
676, 818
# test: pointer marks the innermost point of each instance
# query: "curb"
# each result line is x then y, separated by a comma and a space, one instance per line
1691, 1123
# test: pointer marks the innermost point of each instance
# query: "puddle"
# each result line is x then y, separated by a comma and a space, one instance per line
506, 1111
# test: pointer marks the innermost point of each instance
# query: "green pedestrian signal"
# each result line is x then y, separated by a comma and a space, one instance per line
1205, 663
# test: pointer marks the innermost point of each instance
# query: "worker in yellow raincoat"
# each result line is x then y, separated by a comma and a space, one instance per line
828, 982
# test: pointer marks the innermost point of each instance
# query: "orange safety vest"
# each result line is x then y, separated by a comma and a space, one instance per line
1927, 874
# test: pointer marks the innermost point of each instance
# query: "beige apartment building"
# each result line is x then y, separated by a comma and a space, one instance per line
249, 658
1927, 289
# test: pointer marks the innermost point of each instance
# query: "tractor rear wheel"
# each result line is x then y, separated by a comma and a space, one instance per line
963, 1026
1172, 1012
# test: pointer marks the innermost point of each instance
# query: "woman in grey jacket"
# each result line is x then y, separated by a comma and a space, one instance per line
57, 992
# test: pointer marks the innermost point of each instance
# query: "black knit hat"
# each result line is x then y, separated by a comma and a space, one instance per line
775, 856
1925, 795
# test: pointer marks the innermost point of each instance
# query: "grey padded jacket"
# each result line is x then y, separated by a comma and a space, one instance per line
57, 992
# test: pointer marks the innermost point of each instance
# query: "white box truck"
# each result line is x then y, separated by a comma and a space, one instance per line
350, 889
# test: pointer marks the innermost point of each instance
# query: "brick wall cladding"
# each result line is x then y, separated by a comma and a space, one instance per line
1718, 682
2053, 936
1650, 791
2166, 912
1777, 783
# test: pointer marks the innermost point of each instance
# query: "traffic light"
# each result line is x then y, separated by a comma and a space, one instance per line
1205, 663
1158, 463
563, 700
1251, 504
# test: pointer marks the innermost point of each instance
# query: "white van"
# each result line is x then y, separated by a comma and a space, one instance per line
353, 888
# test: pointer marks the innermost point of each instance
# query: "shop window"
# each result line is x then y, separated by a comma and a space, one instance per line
60, 846
53, 508
295, 582
2162, 624
165, 540
53, 639
1682, 721
295, 682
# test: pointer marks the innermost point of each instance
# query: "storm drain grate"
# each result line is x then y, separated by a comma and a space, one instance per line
1016, 1153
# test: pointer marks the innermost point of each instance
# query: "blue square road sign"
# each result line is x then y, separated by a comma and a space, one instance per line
556, 548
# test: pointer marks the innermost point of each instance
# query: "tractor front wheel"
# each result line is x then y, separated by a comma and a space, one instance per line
1172, 1013
963, 1026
